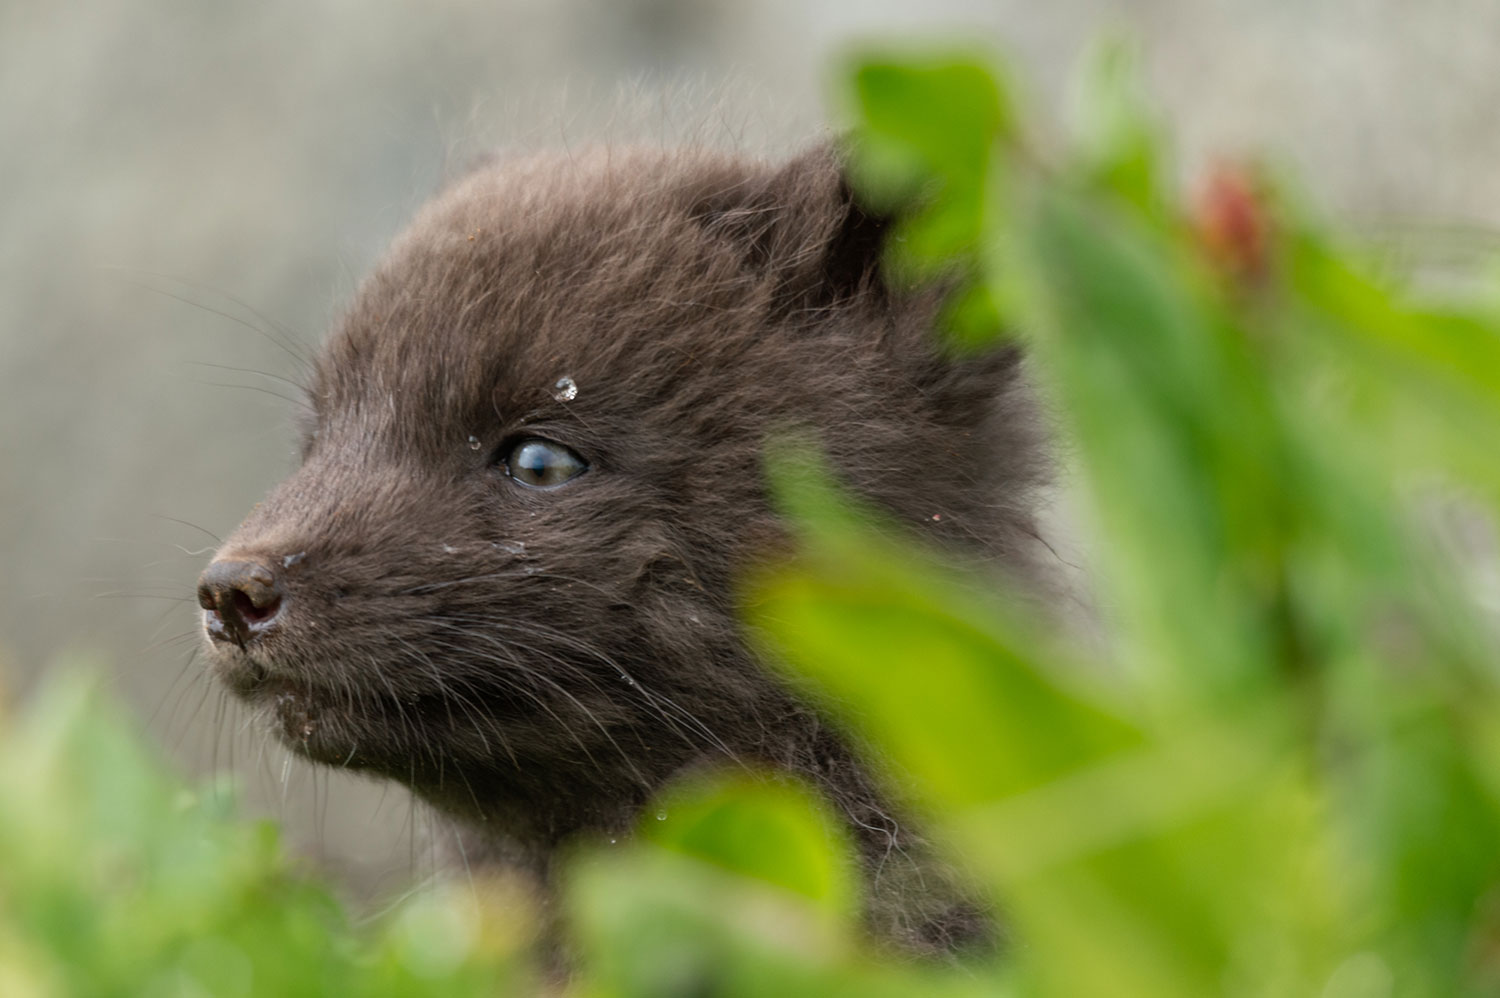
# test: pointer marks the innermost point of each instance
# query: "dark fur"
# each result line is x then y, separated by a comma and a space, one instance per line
537, 664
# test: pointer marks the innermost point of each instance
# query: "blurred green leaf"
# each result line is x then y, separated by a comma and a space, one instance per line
657, 923
1176, 436
925, 122
1119, 142
119, 881
763, 828
927, 151
1090, 825
923, 660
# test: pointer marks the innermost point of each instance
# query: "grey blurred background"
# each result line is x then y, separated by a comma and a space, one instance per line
185, 183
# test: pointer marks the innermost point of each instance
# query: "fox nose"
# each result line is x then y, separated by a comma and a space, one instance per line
241, 599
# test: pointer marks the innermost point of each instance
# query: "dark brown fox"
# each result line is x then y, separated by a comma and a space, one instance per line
504, 573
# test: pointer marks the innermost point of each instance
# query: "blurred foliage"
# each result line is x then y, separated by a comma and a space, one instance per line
116, 880
1273, 768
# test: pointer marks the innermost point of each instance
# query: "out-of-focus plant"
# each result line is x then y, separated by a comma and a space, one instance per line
1278, 772
1273, 768
117, 880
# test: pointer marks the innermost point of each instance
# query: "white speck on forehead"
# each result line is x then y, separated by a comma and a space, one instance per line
566, 389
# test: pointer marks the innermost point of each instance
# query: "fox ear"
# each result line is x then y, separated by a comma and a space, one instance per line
841, 240
804, 227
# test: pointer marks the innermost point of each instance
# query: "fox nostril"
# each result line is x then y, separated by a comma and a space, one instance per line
247, 609
242, 597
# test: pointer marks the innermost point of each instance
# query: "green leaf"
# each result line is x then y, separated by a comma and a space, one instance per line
764, 828
923, 662
924, 146
1119, 141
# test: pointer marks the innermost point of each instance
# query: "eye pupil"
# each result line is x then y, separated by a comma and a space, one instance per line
543, 464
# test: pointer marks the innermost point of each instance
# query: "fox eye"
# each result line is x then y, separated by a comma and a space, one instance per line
542, 464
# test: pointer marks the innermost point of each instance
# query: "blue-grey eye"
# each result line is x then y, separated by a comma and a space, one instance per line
542, 464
